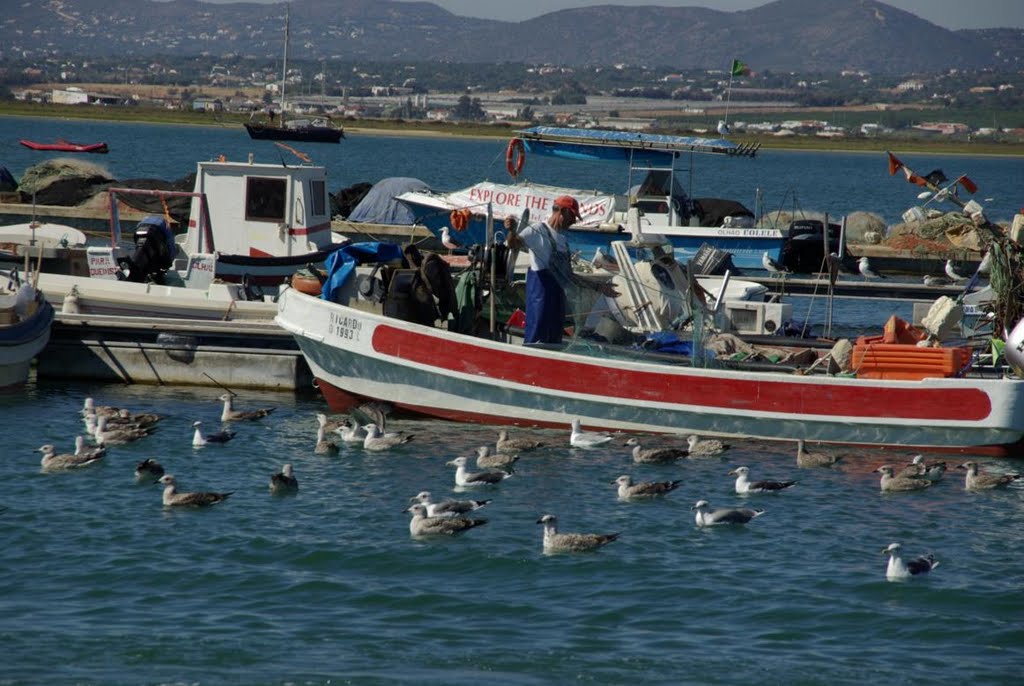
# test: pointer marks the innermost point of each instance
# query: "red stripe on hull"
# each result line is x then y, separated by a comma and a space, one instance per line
741, 395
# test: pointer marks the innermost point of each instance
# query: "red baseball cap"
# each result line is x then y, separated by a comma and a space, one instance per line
567, 202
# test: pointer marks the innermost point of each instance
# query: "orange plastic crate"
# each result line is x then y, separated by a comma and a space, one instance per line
900, 361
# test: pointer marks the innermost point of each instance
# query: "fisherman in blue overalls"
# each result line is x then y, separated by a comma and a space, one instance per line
550, 271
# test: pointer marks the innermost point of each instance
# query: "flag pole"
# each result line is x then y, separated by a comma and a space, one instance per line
728, 97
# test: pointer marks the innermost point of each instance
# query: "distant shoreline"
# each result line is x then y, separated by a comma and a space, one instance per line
873, 146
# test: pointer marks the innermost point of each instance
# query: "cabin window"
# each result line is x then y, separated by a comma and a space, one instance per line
318, 194
265, 199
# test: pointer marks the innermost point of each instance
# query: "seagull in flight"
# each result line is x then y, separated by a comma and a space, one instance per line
864, 265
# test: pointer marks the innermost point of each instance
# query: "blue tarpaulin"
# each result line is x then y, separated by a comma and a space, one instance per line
379, 206
342, 263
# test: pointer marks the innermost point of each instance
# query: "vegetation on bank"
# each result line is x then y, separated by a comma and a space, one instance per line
411, 127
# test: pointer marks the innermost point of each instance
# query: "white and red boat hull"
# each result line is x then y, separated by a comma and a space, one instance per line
357, 355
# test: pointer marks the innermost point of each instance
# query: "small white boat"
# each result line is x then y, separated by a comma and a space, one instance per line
25, 321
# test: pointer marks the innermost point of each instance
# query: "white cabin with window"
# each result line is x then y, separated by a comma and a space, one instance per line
258, 210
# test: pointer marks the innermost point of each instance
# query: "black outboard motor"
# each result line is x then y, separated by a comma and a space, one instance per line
154, 251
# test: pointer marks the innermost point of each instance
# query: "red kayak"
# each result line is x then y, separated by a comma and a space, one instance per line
67, 146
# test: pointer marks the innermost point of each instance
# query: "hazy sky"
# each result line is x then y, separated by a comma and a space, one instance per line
951, 14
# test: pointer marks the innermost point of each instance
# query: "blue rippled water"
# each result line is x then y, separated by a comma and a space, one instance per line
103, 585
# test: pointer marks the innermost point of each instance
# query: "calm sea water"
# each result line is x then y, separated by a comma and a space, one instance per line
837, 183
103, 585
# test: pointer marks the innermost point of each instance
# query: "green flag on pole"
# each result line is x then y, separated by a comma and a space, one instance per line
740, 69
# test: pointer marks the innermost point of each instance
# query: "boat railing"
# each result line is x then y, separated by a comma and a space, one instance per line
205, 229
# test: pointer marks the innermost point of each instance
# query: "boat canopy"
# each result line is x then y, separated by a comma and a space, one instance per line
636, 148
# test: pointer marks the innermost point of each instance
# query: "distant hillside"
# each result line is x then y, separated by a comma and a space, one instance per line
800, 35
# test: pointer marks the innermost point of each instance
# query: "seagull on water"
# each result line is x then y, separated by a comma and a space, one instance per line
586, 439
82, 450
90, 407
148, 470
487, 460
463, 477
330, 425
423, 525
975, 481
446, 508
351, 432
805, 459
898, 570
744, 485
323, 446
643, 489
116, 436
893, 484
284, 481
505, 444
864, 266
952, 273
706, 516
196, 499
655, 455
772, 266
708, 447
378, 440
52, 461
447, 240
199, 439
555, 542
229, 413
918, 469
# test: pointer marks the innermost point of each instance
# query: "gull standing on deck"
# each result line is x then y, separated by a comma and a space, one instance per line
505, 444
586, 439
485, 459
196, 499
654, 455
643, 489
229, 413
953, 274
423, 525
463, 477
808, 460
772, 266
744, 485
447, 240
975, 481
894, 484
555, 542
52, 461
378, 440
708, 447
866, 270
446, 508
284, 481
706, 516
148, 470
898, 570
199, 439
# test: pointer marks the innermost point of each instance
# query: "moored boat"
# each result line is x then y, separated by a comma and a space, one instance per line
66, 146
25, 321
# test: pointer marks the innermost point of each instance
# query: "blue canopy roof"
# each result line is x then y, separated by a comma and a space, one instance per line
638, 148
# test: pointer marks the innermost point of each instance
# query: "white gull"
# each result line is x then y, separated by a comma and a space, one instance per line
919, 469
351, 432
199, 439
82, 450
864, 266
952, 273
771, 266
744, 485
586, 439
555, 542
706, 516
463, 477
446, 508
898, 570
